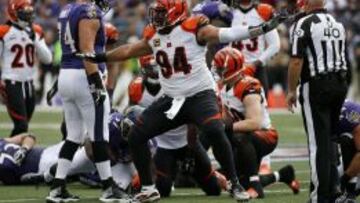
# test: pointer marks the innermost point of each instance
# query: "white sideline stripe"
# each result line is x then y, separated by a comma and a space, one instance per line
38, 199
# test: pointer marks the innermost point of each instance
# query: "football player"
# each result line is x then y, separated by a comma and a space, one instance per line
85, 100
172, 146
21, 42
21, 162
178, 44
349, 136
247, 123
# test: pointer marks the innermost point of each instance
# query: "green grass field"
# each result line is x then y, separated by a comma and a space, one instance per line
46, 126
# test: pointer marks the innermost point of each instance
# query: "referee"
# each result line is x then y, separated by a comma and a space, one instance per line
319, 61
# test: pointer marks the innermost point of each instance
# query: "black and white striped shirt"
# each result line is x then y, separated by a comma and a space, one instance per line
321, 41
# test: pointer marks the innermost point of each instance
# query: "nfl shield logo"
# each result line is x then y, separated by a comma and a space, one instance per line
156, 42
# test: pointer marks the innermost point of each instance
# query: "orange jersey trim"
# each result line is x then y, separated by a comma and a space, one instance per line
245, 86
265, 11
192, 24
37, 28
3, 30
149, 32
136, 90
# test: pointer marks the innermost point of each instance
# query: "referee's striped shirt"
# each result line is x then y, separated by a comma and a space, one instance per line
321, 41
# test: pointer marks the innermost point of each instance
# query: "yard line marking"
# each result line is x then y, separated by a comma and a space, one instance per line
46, 126
40, 199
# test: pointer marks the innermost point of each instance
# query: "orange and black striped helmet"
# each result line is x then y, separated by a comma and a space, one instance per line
164, 13
228, 62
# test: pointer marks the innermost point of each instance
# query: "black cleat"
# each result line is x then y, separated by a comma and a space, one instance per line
287, 175
59, 195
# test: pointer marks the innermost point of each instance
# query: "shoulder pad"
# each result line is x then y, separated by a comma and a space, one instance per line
265, 11
88, 11
248, 85
192, 24
135, 90
149, 32
38, 29
3, 30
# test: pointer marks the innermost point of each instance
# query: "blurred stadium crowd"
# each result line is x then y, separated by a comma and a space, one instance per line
130, 17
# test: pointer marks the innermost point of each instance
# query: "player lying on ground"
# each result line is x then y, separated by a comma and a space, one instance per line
172, 146
349, 137
247, 123
22, 163
178, 44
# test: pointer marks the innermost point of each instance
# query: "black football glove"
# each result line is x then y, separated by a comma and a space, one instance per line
51, 93
97, 88
20, 155
93, 57
275, 21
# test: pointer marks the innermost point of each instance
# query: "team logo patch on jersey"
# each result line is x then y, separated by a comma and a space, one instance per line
156, 42
299, 33
91, 13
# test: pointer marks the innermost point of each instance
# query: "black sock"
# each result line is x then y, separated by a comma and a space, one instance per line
58, 183
267, 179
141, 156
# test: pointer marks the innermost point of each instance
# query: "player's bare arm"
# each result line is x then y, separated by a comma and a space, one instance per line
354, 168
88, 29
26, 142
128, 51
253, 117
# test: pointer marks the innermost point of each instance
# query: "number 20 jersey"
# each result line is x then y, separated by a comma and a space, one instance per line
18, 52
184, 71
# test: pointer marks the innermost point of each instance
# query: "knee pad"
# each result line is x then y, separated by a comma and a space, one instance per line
68, 150
100, 150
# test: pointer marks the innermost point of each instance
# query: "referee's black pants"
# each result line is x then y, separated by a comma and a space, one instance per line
20, 104
321, 101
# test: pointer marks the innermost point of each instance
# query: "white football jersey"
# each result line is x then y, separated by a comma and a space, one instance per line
255, 47
17, 53
233, 97
173, 139
181, 58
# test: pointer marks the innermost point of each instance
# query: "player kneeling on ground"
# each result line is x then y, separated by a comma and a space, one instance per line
247, 123
348, 131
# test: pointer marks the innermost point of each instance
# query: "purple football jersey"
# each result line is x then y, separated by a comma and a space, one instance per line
10, 171
349, 117
69, 19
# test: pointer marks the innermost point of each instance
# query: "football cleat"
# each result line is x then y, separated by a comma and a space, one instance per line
115, 194
239, 193
346, 198
287, 174
147, 194
60, 194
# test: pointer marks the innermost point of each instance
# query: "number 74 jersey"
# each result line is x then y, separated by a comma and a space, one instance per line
181, 58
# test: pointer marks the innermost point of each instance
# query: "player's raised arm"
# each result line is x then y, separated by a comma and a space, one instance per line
120, 53
42, 50
213, 35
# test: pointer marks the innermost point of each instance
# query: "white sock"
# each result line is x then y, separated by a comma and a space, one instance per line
277, 176
104, 169
63, 168
148, 187
254, 178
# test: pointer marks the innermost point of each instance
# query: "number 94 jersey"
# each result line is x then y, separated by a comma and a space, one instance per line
181, 58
